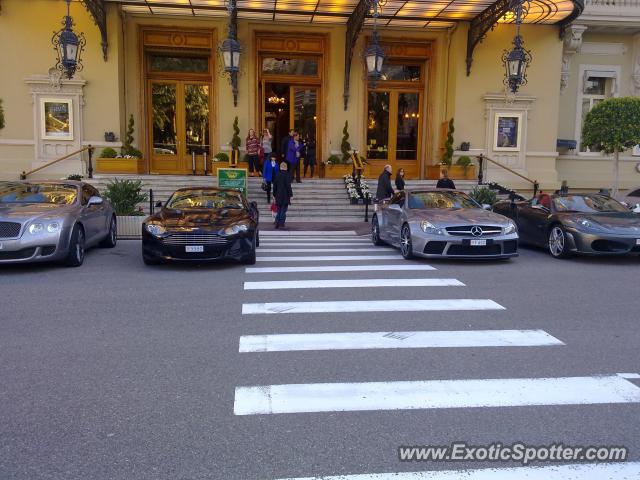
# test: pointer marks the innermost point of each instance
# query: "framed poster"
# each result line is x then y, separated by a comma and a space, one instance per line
506, 135
56, 118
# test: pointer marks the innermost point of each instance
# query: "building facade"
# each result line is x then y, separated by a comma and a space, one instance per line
302, 67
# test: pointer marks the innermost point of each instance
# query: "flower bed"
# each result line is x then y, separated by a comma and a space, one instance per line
358, 192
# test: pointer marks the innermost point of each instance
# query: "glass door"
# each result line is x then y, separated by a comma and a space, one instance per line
305, 111
180, 133
393, 127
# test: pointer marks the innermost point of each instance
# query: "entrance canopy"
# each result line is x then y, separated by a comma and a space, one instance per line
395, 13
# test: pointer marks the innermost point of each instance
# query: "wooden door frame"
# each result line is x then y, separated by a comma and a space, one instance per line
168, 38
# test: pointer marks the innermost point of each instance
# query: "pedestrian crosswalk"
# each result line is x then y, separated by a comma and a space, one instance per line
299, 266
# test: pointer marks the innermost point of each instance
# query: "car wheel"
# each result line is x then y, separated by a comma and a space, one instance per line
112, 237
558, 242
75, 255
250, 259
375, 232
406, 247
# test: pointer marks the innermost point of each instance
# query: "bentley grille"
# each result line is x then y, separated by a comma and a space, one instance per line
475, 231
9, 229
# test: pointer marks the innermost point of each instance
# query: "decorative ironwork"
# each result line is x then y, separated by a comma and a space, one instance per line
480, 25
354, 26
518, 59
98, 11
230, 49
578, 8
68, 46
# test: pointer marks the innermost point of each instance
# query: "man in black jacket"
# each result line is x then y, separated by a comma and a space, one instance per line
385, 190
445, 181
282, 194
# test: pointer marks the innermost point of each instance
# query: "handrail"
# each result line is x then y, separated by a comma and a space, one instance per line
89, 148
481, 158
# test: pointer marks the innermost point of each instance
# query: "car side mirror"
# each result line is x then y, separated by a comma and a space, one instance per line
158, 204
636, 209
95, 201
486, 206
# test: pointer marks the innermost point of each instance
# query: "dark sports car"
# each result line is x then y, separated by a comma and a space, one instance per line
200, 224
591, 224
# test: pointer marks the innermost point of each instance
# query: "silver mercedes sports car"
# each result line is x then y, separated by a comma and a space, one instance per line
53, 221
442, 223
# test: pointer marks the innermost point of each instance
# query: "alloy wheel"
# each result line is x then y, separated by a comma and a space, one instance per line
405, 242
556, 241
80, 247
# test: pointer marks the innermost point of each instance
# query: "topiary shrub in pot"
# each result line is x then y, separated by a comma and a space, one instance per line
108, 152
125, 196
221, 157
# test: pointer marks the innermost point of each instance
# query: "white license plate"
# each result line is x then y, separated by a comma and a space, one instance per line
637, 242
1, 245
194, 248
478, 243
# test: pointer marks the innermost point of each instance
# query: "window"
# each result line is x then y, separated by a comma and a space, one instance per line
290, 66
178, 64
87, 193
598, 82
400, 72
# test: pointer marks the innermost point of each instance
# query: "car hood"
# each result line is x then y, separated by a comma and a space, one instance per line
204, 218
626, 222
459, 216
24, 212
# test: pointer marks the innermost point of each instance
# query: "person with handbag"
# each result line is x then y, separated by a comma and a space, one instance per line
269, 172
252, 145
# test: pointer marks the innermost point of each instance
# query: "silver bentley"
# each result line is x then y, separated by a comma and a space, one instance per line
442, 223
53, 221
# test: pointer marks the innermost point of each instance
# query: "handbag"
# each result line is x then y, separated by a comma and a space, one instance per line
274, 209
264, 186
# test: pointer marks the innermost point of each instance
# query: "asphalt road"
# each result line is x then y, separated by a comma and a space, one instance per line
116, 370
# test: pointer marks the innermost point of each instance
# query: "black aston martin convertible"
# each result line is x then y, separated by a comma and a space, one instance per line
591, 224
200, 224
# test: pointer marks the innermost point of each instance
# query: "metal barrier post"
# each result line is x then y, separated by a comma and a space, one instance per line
151, 204
205, 161
480, 165
193, 162
366, 208
90, 165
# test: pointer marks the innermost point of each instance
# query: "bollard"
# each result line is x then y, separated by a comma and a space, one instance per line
367, 200
151, 204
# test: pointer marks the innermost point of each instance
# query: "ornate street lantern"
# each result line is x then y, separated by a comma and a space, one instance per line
518, 59
374, 55
69, 46
231, 49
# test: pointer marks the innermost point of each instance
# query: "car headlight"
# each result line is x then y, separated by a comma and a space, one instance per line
36, 228
54, 227
510, 228
430, 228
589, 225
235, 229
156, 229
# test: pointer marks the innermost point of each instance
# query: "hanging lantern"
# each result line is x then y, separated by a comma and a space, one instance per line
231, 54
68, 46
518, 58
374, 57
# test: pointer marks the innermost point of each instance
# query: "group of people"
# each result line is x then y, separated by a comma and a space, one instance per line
293, 150
385, 189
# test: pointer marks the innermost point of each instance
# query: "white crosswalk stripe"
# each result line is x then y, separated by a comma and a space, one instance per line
581, 471
339, 249
331, 243
327, 258
351, 306
343, 268
368, 340
356, 283
409, 395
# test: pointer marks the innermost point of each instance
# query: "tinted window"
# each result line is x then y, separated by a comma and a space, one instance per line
424, 200
186, 199
290, 66
168, 63
87, 193
61, 194
404, 73
588, 204
635, 193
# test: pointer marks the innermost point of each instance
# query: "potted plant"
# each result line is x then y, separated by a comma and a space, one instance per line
130, 161
433, 171
126, 196
484, 195
463, 169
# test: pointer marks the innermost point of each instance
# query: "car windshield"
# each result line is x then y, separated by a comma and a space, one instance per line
445, 199
587, 204
55, 193
185, 199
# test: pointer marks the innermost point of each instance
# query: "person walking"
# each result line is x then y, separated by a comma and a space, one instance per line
282, 194
400, 179
293, 156
269, 173
445, 181
284, 145
385, 190
310, 154
252, 146
265, 147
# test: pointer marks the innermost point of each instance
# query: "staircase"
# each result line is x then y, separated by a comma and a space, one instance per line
314, 200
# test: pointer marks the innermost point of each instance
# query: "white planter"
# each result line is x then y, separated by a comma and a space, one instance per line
130, 226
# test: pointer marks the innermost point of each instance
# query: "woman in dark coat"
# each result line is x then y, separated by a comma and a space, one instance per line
269, 173
400, 179
282, 194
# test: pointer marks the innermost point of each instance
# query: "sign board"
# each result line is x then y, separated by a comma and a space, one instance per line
233, 178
